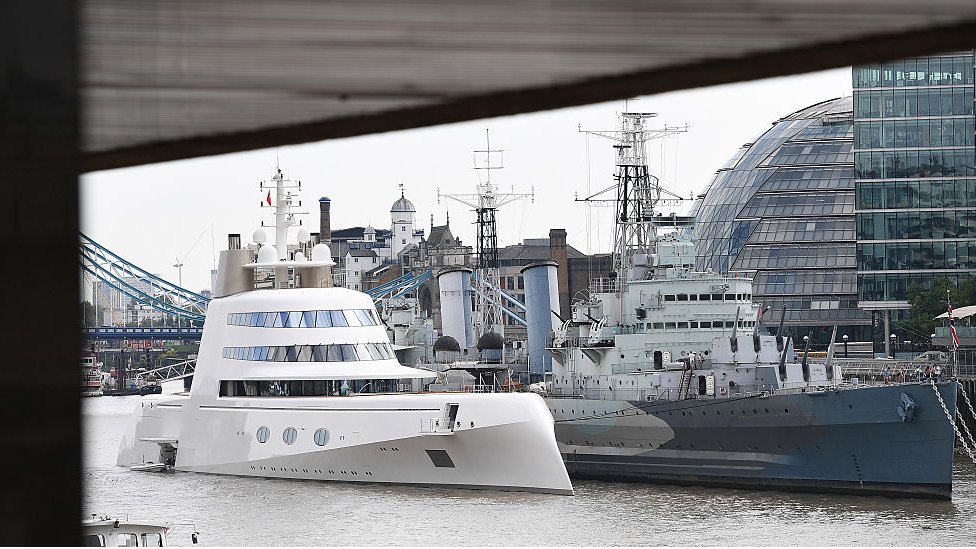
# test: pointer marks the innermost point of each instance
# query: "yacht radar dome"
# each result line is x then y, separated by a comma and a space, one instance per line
259, 236
304, 235
322, 252
267, 254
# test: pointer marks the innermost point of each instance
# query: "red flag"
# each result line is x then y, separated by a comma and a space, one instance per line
269, 198
952, 324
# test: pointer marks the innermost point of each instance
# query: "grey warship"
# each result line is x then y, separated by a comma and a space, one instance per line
663, 374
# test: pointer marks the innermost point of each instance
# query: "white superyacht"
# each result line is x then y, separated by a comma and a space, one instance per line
297, 379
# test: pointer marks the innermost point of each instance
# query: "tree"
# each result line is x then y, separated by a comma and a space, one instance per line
926, 304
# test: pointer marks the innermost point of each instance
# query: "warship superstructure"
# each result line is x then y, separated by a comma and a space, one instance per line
664, 374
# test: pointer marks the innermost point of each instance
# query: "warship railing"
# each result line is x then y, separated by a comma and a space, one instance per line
873, 368
478, 389
603, 285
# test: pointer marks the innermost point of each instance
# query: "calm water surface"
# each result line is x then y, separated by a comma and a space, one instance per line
232, 511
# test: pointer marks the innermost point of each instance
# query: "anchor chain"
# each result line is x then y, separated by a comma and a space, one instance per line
952, 422
965, 427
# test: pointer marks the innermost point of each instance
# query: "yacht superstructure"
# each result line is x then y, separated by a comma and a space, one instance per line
298, 379
664, 374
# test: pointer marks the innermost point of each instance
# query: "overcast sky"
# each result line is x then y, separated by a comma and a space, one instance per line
154, 214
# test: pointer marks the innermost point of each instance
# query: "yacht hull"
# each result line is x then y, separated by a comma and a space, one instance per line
850, 441
496, 441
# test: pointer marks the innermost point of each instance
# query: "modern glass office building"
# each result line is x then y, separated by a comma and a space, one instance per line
915, 178
782, 210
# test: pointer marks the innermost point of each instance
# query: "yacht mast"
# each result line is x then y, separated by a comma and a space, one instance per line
282, 202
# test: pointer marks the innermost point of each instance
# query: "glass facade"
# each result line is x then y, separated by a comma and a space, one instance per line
782, 210
915, 175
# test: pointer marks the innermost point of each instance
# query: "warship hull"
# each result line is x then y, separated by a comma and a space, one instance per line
848, 441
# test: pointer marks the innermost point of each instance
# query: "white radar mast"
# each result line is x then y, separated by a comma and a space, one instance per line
637, 194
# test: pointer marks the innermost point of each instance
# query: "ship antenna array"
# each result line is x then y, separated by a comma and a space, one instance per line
637, 192
485, 201
283, 202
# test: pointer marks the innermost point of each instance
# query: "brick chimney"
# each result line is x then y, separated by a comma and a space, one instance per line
325, 220
557, 252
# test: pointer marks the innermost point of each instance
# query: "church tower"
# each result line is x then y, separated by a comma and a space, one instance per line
403, 224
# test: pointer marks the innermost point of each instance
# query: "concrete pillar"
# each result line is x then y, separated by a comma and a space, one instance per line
558, 253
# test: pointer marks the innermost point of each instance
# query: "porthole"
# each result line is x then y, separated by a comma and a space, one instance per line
263, 434
321, 437
289, 435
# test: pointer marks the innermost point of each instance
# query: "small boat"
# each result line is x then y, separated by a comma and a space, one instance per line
91, 377
111, 532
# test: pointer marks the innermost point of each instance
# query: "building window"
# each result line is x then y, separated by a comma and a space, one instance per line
403, 241
403, 228
152, 540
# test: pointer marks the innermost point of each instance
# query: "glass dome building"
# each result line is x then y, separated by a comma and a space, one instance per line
782, 211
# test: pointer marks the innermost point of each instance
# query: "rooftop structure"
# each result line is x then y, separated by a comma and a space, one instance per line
782, 210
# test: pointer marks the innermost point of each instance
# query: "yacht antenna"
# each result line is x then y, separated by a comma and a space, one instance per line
283, 203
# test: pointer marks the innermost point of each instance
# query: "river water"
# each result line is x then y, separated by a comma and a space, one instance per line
232, 511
